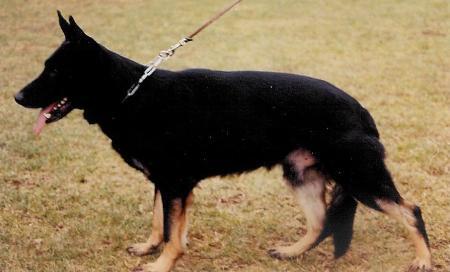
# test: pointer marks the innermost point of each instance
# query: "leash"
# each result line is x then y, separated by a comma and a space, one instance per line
166, 54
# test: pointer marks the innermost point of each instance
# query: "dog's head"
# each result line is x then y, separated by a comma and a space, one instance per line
68, 77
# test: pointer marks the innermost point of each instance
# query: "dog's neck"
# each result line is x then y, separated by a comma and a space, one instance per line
118, 75
122, 72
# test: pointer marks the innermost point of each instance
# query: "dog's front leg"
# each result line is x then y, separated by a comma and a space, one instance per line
155, 240
175, 224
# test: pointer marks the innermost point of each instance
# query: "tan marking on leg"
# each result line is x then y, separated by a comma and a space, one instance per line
176, 246
156, 238
403, 213
311, 198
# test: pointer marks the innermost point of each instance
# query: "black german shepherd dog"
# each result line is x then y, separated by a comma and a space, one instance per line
182, 127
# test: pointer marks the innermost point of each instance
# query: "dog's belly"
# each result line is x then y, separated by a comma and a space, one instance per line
197, 163
303, 158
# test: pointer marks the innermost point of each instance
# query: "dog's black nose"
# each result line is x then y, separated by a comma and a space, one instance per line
19, 98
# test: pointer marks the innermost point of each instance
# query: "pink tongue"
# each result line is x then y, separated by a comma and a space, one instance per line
41, 119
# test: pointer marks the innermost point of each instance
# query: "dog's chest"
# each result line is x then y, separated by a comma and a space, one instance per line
131, 159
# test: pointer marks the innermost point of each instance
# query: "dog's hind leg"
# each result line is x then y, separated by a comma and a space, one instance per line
155, 240
410, 215
308, 187
175, 224
339, 220
361, 168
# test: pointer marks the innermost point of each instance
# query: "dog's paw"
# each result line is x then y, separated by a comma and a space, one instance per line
280, 253
142, 249
420, 265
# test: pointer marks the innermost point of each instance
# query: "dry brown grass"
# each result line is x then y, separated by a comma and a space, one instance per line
68, 203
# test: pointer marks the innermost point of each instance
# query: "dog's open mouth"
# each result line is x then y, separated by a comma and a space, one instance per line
52, 113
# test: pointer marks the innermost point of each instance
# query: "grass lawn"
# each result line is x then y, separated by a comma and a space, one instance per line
68, 202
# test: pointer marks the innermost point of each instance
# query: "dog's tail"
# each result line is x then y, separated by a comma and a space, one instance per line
339, 221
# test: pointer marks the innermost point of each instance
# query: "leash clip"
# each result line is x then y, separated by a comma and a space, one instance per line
162, 56
165, 54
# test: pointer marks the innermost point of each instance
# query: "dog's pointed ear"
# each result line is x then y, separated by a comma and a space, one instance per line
79, 33
65, 27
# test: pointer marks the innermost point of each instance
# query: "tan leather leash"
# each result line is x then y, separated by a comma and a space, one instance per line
213, 19
166, 54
